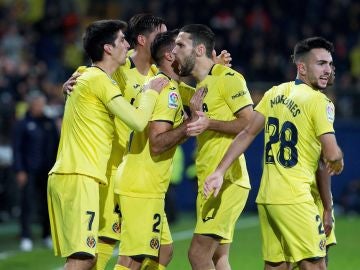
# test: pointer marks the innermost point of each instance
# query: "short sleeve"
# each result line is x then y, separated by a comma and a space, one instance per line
323, 116
235, 91
105, 88
168, 104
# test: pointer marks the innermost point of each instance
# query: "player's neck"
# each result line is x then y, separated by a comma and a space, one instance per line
142, 61
106, 66
168, 71
202, 68
304, 80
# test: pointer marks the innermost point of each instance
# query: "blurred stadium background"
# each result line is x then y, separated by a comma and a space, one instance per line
40, 46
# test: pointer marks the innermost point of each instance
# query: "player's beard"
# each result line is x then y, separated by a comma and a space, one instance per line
315, 83
186, 68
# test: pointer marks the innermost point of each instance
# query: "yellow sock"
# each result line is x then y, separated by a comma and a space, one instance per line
120, 267
149, 264
104, 253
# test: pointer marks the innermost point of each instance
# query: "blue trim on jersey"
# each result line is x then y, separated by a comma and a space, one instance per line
298, 81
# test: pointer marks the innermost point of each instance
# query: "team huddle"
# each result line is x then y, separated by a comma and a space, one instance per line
127, 112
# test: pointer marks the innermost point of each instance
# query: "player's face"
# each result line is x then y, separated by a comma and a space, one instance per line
121, 48
318, 68
185, 55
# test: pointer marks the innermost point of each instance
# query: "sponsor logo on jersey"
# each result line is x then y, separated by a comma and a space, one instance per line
91, 242
330, 112
116, 227
239, 94
322, 244
173, 102
155, 243
207, 219
230, 74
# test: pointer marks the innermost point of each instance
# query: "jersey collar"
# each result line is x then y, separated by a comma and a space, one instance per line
132, 64
298, 81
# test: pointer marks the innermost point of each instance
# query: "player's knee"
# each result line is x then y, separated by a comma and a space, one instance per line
220, 259
81, 260
317, 263
194, 256
166, 254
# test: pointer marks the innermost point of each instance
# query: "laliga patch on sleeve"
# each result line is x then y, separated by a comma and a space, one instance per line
330, 112
173, 102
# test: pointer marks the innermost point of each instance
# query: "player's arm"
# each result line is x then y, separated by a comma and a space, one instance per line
332, 154
138, 118
241, 142
162, 136
323, 181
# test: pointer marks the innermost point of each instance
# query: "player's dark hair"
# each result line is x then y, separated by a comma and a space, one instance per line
142, 24
99, 33
163, 42
304, 46
201, 34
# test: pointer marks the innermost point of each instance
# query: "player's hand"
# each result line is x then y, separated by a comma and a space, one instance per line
197, 125
224, 58
213, 183
68, 86
327, 222
157, 84
334, 167
196, 101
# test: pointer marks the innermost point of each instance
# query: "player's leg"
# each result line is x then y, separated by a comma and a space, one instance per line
104, 251
299, 228
166, 250
221, 257
277, 266
79, 262
74, 218
142, 223
202, 249
216, 219
272, 250
109, 224
166, 246
316, 264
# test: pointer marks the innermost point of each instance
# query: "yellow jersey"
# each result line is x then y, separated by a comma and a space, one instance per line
296, 115
142, 174
131, 82
88, 127
227, 94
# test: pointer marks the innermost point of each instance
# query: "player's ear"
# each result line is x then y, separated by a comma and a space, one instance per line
200, 50
141, 40
169, 56
108, 48
301, 67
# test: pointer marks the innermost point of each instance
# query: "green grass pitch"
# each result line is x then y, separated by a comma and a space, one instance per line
245, 251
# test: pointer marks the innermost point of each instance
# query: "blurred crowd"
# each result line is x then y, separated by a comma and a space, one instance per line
40, 45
